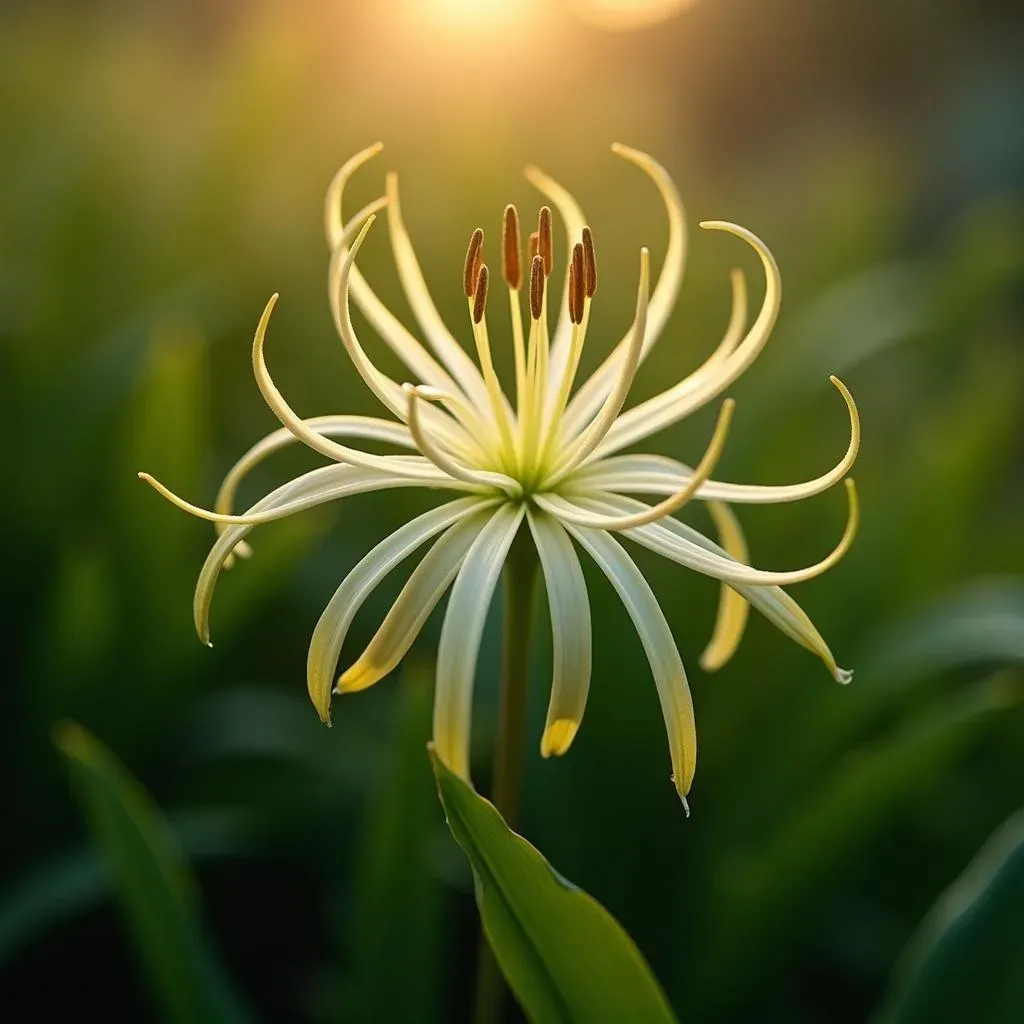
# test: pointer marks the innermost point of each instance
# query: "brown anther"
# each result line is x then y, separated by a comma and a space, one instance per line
544, 239
577, 284
536, 287
480, 298
533, 245
589, 264
511, 263
473, 257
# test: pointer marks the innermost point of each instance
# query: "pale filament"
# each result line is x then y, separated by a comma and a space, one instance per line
519, 351
496, 397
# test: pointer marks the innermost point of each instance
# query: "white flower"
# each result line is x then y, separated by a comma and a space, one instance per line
550, 456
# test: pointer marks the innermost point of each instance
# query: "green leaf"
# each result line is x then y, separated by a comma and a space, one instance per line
966, 961
563, 954
156, 890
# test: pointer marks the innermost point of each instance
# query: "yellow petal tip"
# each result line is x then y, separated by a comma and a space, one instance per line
558, 737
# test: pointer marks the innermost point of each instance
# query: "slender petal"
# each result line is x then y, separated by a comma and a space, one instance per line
657, 537
570, 632
460, 636
733, 608
656, 637
477, 477
328, 483
699, 388
655, 474
366, 427
382, 320
676, 501
383, 387
595, 431
317, 441
425, 587
773, 602
332, 628
448, 349
588, 399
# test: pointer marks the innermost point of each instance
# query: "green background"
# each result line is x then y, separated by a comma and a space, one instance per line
163, 171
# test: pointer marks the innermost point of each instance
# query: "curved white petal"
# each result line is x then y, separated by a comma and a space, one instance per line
439, 457
700, 387
584, 510
382, 320
587, 400
570, 632
317, 441
774, 604
733, 608
656, 474
675, 501
770, 600
460, 636
574, 220
314, 488
660, 647
366, 427
383, 387
332, 627
583, 446
425, 587
451, 353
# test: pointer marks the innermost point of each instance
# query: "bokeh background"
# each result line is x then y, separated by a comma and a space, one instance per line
163, 171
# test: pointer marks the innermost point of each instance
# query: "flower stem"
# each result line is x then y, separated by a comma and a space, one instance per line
506, 778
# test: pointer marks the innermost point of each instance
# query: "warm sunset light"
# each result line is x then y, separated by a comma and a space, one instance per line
627, 14
474, 15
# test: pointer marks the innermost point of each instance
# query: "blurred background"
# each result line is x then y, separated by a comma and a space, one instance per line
163, 172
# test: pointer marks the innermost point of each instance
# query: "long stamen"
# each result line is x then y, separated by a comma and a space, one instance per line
440, 457
579, 306
496, 398
530, 427
545, 251
512, 271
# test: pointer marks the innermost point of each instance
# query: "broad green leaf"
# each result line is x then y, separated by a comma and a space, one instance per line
966, 962
396, 917
156, 890
564, 956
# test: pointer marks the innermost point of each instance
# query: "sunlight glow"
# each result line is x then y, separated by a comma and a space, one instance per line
628, 14
473, 15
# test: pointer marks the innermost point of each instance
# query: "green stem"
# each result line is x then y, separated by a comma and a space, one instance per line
506, 778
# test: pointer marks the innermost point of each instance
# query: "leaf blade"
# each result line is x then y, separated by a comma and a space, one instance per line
156, 890
564, 955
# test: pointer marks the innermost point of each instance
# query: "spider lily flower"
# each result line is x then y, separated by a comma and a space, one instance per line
545, 451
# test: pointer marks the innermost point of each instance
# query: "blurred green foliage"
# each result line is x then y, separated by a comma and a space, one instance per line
163, 173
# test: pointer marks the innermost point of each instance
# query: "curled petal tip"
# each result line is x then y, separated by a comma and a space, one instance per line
681, 793
558, 737
843, 675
